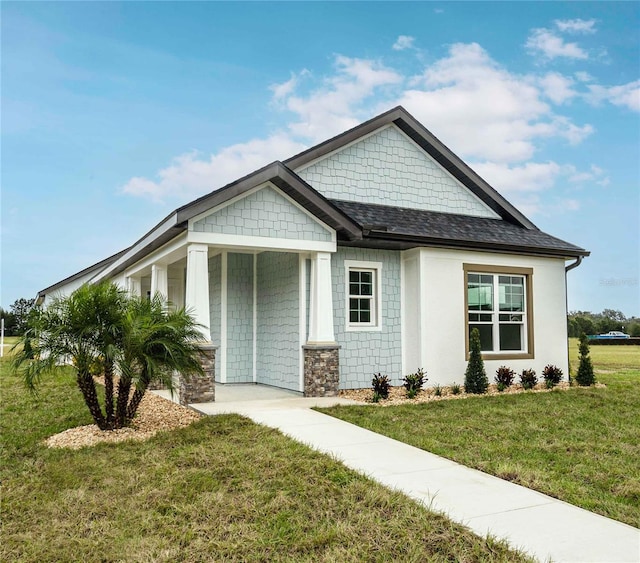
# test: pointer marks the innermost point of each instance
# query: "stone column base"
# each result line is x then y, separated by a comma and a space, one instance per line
321, 370
200, 388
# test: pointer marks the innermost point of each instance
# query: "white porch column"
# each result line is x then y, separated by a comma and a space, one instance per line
134, 286
197, 290
321, 305
159, 281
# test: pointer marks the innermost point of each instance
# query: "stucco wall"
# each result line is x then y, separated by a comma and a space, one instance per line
278, 323
442, 333
215, 308
390, 169
264, 213
364, 353
239, 318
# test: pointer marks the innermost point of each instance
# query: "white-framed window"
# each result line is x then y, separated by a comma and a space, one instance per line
363, 291
498, 304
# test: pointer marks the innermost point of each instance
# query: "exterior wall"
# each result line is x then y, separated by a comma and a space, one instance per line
239, 318
67, 289
215, 307
389, 168
364, 353
278, 320
264, 213
442, 325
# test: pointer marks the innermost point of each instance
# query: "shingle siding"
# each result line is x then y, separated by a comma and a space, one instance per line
264, 213
215, 305
388, 168
239, 318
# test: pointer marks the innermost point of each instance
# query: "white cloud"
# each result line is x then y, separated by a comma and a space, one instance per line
546, 43
284, 89
557, 88
583, 76
576, 26
403, 42
594, 174
529, 177
189, 175
625, 95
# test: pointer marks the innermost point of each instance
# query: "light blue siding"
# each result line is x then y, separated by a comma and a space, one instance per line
278, 312
239, 318
265, 213
215, 307
364, 353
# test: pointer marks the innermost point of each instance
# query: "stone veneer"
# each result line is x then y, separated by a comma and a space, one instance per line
321, 370
200, 388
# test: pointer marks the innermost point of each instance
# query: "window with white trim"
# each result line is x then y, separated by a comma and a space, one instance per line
363, 295
497, 305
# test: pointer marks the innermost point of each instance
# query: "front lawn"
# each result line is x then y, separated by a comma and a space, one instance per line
581, 445
221, 489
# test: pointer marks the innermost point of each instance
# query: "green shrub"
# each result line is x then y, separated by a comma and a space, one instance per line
528, 379
475, 378
455, 389
504, 377
413, 383
585, 375
437, 390
380, 384
552, 375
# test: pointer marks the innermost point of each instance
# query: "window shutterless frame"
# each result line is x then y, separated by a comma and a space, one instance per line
363, 295
499, 286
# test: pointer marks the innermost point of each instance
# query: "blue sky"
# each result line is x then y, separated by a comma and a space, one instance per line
114, 114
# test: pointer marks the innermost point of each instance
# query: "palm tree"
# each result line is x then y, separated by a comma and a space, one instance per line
156, 342
98, 325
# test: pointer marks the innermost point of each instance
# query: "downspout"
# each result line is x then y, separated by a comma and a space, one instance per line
567, 269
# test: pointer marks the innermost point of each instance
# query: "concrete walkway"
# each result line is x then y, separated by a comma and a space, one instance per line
540, 525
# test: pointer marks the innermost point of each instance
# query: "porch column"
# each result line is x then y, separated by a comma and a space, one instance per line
321, 352
134, 286
196, 297
159, 281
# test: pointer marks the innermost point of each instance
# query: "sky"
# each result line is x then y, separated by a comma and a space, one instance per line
114, 114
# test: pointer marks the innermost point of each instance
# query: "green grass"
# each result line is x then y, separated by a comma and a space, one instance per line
222, 489
580, 445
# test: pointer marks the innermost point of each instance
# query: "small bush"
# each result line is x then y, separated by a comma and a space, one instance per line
413, 383
475, 378
552, 375
380, 384
455, 389
585, 375
528, 379
437, 390
504, 377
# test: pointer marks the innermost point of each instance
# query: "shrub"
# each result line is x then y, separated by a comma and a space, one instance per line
552, 375
380, 384
585, 375
413, 383
437, 390
504, 377
455, 389
528, 379
475, 378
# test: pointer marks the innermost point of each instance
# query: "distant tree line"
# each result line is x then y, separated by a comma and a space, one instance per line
598, 323
16, 318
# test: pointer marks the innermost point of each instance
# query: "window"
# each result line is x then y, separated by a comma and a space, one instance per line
498, 304
363, 295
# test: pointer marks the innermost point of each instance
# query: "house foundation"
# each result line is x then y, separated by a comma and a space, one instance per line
200, 388
321, 370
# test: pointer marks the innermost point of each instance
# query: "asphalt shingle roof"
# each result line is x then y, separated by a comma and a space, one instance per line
447, 227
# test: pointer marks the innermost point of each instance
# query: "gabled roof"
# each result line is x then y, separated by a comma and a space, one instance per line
430, 144
402, 228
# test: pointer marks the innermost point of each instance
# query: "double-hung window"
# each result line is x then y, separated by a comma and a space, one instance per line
363, 295
498, 304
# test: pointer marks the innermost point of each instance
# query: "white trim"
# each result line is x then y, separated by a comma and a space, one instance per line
169, 252
321, 329
302, 300
403, 304
234, 242
223, 317
167, 224
255, 317
218, 208
376, 298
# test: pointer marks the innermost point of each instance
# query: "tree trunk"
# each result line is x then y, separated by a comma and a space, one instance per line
88, 390
108, 393
135, 403
124, 386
